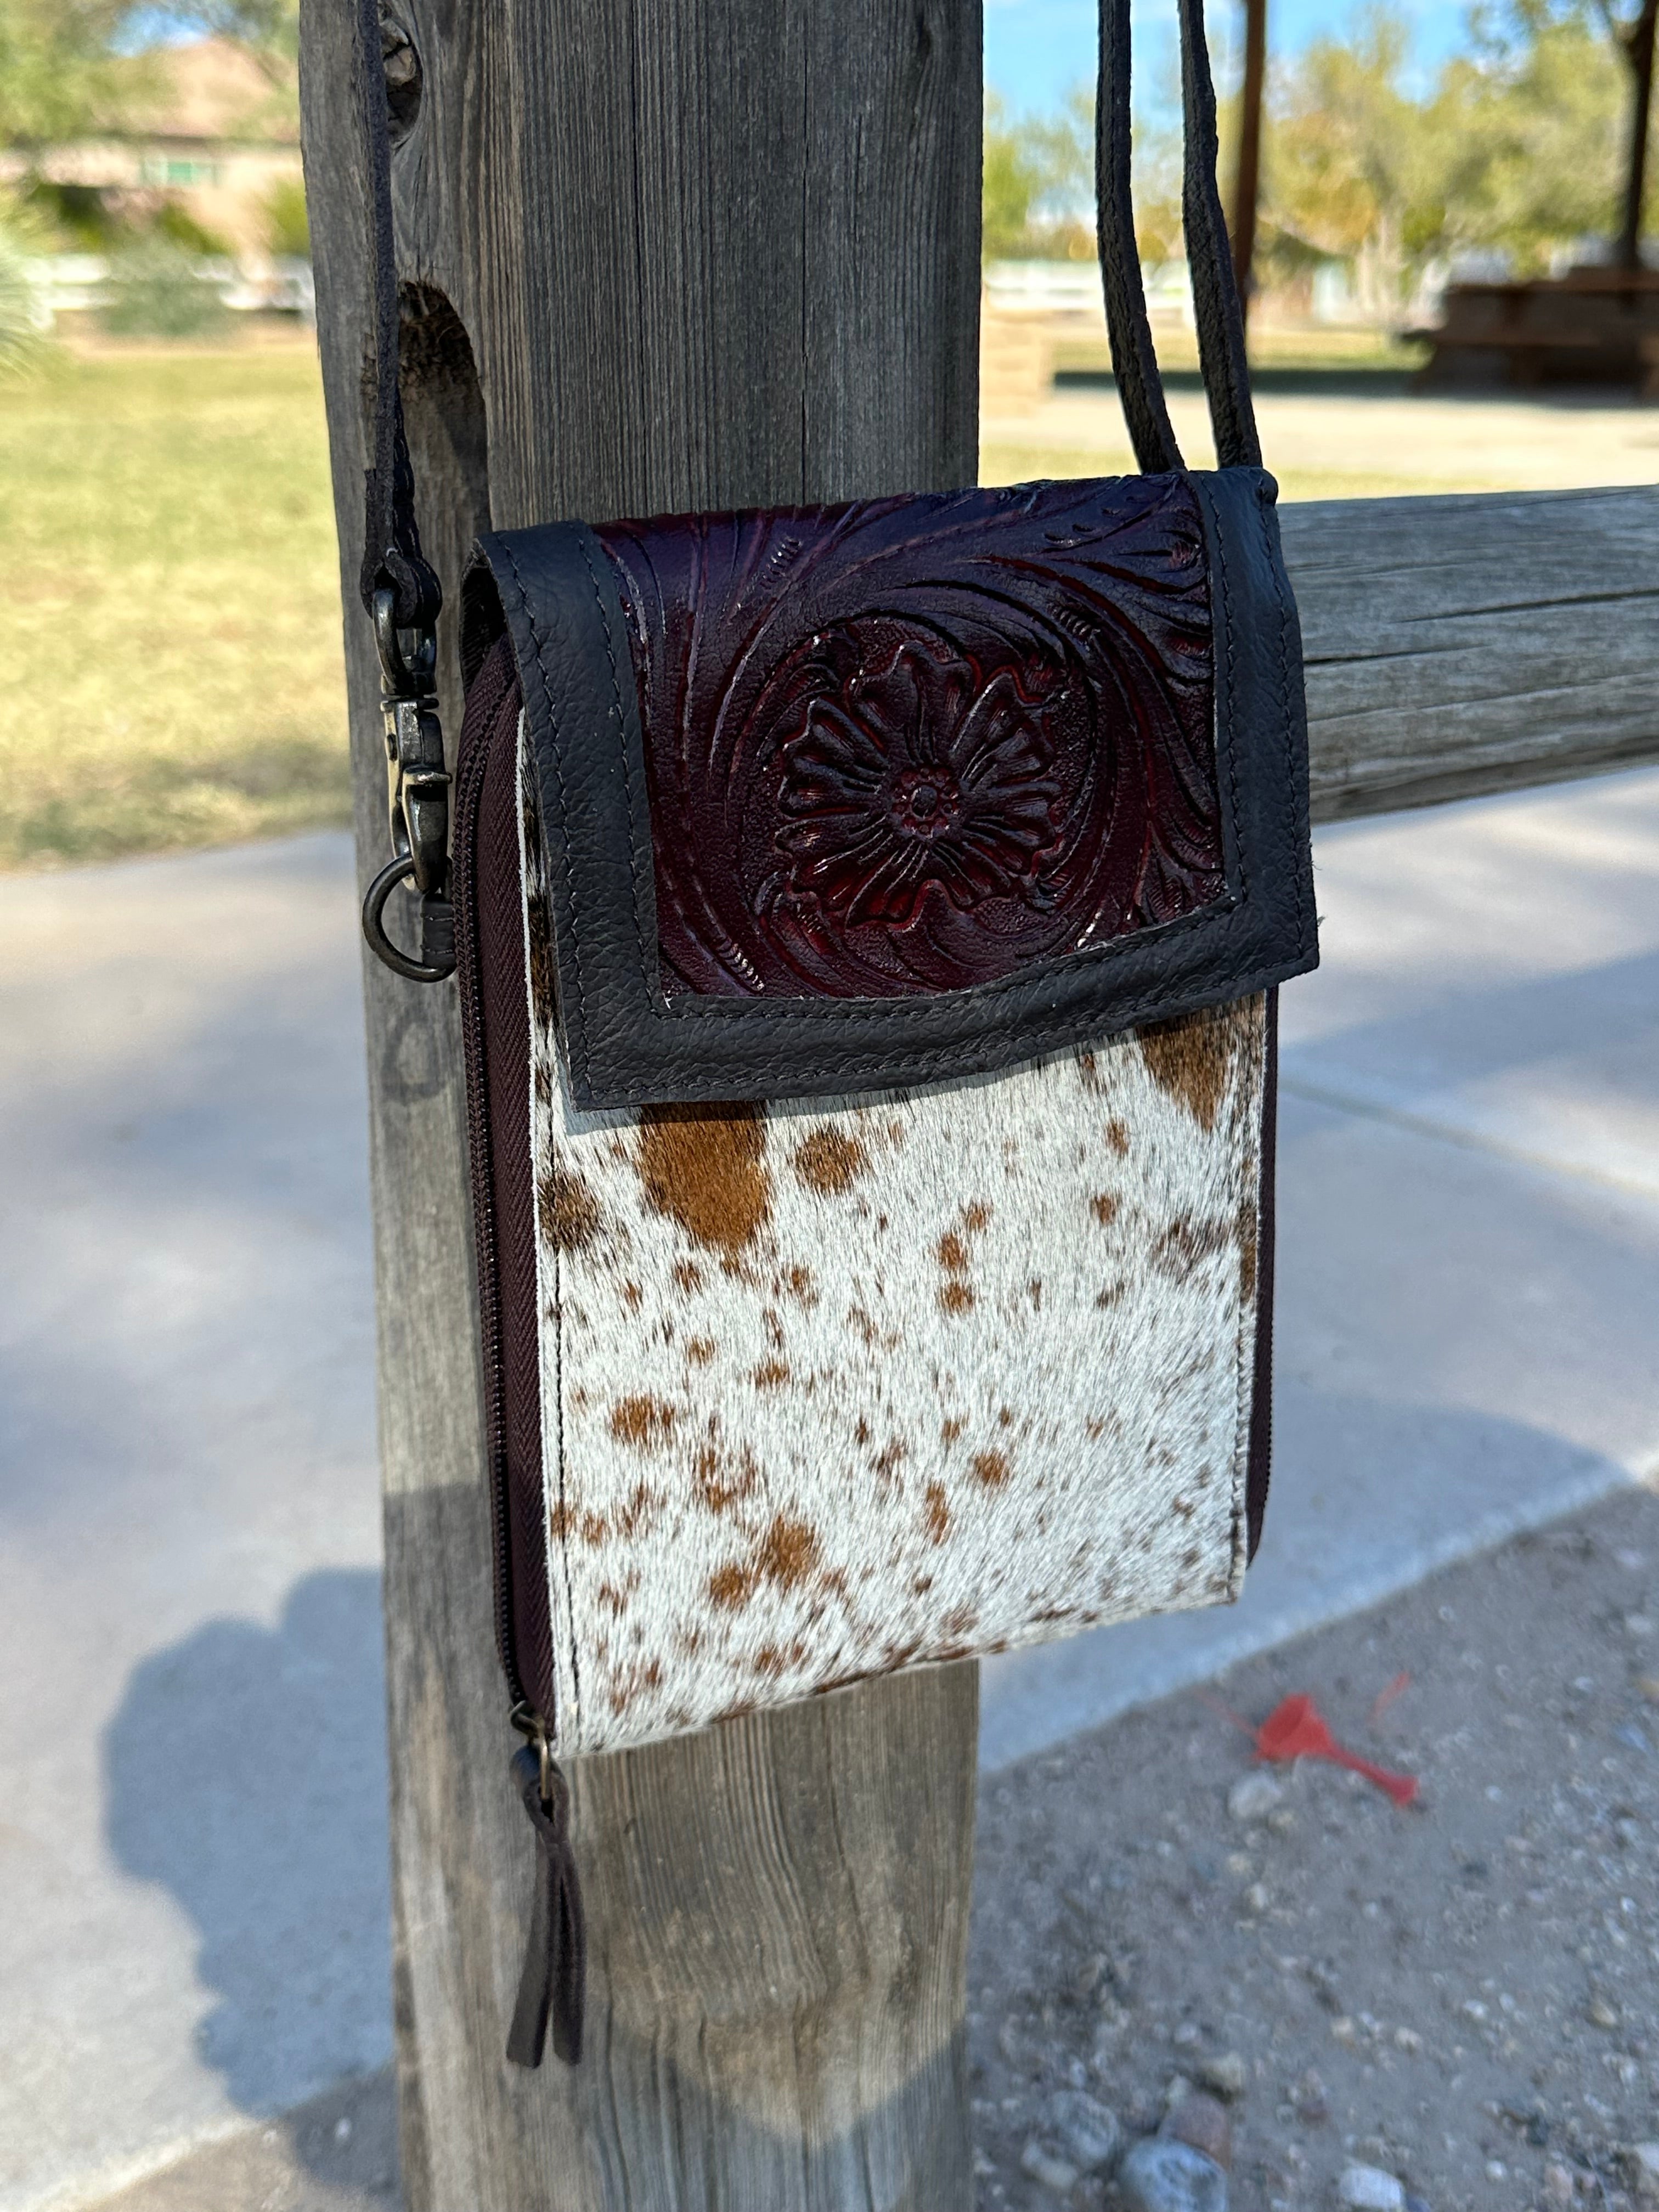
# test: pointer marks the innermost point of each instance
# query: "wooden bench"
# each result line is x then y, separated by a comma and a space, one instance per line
1588, 326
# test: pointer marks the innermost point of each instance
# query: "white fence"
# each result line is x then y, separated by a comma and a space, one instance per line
1072, 288
74, 283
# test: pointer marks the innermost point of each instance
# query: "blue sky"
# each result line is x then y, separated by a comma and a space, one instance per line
1037, 50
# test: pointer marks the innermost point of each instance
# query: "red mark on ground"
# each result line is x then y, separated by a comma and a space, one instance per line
1297, 1729
1386, 1697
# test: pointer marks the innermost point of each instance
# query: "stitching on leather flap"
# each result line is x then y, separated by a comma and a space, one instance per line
821, 1045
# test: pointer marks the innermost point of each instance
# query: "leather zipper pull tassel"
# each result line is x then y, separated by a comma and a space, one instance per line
553, 1986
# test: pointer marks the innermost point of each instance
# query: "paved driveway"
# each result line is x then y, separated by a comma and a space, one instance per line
192, 1774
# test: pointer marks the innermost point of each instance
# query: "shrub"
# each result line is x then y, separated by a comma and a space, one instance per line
176, 226
159, 291
288, 227
75, 218
23, 339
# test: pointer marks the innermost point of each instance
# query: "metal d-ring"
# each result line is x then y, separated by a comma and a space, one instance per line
397, 871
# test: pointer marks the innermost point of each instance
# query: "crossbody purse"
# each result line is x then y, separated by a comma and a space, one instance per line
867, 920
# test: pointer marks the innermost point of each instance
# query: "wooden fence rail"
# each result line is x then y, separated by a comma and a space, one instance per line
1475, 644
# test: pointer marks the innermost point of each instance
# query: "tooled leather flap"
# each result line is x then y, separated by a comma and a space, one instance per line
846, 798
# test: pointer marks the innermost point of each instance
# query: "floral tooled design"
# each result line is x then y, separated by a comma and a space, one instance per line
921, 773
920, 744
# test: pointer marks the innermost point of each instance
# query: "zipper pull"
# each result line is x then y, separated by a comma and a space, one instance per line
553, 1986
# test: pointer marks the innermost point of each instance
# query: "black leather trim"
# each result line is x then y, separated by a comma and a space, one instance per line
625, 1044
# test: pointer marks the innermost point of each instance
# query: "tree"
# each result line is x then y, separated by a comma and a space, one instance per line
1247, 175
1012, 181
63, 71
1514, 32
1532, 151
1159, 160
253, 22
1634, 36
1515, 146
58, 68
269, 29
1039, 182
1351, 163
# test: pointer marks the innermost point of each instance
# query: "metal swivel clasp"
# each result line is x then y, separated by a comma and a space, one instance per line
417, 798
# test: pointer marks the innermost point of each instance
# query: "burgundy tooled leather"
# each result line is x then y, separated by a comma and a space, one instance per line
914, 744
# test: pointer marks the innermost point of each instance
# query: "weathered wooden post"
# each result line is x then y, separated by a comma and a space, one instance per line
696, 253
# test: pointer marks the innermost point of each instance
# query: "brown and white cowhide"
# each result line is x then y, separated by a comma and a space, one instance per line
831, 1389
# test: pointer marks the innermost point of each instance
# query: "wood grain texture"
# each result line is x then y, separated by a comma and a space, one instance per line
701, 253
1456, 645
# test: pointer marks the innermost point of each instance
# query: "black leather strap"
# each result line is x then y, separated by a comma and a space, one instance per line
1209, 256
392, 542
1215, 291
1134, 362
552, 1989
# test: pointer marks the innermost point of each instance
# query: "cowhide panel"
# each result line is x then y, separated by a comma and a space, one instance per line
828, 1391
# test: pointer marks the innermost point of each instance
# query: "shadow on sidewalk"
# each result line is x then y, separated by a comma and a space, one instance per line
1363, 381
245, 1773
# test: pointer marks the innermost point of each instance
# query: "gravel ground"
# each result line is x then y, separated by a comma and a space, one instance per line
1464, 1995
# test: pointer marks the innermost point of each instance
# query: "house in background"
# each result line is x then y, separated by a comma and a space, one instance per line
210, 132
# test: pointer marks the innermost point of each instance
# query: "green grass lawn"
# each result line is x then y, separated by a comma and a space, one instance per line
170, 625
1327, 352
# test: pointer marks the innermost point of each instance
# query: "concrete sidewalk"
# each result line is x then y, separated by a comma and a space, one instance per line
192, 1831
